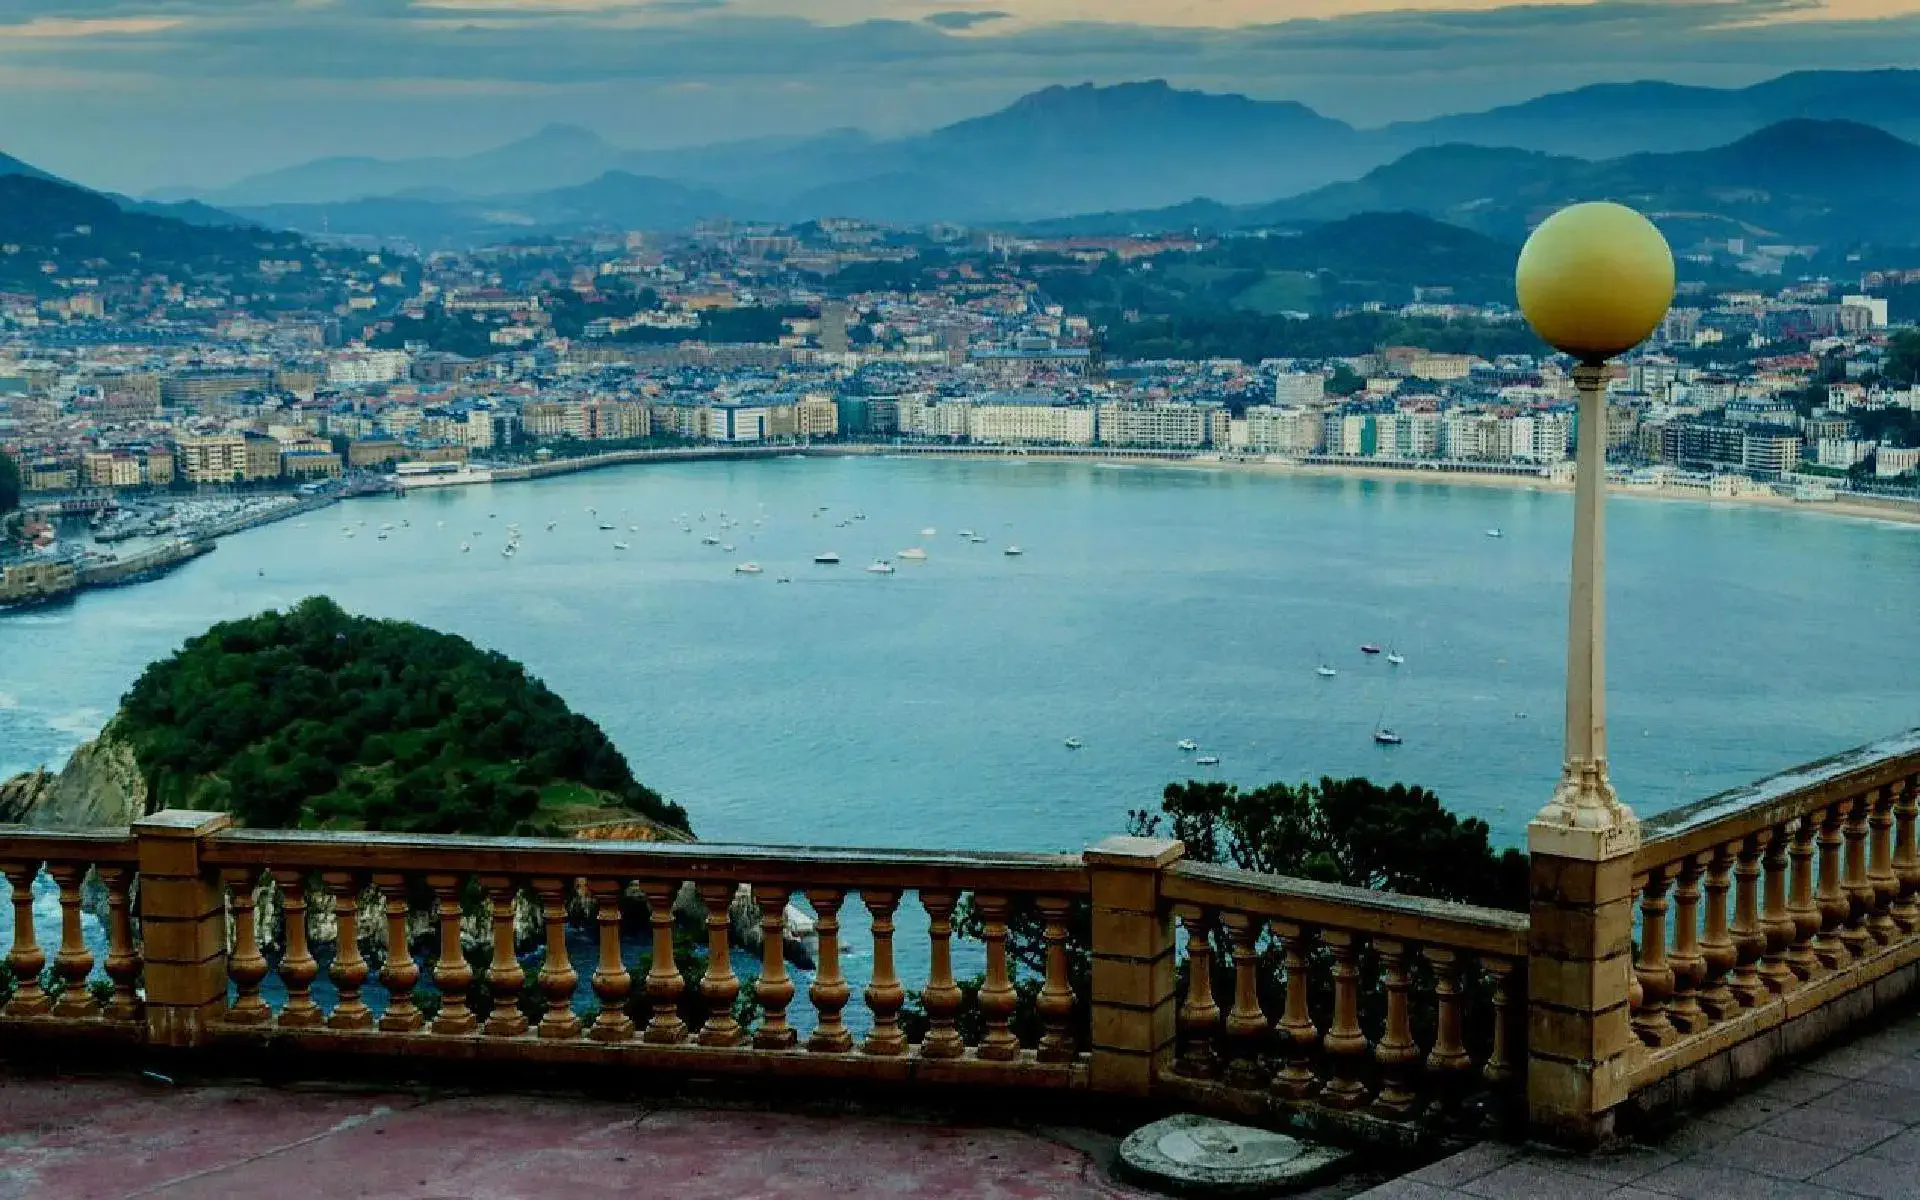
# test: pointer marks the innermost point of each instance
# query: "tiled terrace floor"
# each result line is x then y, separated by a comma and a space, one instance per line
1844, 1126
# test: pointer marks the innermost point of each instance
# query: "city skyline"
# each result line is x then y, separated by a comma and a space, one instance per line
142, 94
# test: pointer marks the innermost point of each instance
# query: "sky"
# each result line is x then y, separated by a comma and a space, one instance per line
135, 95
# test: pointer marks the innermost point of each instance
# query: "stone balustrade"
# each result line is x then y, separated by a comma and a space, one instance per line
1744, 929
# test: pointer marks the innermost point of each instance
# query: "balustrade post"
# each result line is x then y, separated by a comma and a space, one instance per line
942, 997
1498, 1071
1906, 854
1801, 959
557, 979
1776, 923
1448, 1063
1247, 1025
1717, 952
1299, 1036
74, 962
612, 982
997, 997
298, 969
665, 984
1579, 966
399, 974
1344, 1044
884, 994
1834, 906
183, 926
1689, 964
830, 992
26, 960
1880, 873
1853, 933
1396, 1051
1199, 1016
123, 958
1653, 971
1133, 996
719, 986
773, 990
247, 966
1748, 942
451, 973
349, 970
505, 976
1055, 1001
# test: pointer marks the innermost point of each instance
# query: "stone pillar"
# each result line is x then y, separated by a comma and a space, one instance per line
1579, 964
183, 926
1133, 998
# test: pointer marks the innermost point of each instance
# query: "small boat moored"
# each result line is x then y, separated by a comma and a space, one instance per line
827, 559
1387, 737
1073, 743
1188, 744
1013, 552
1369, 648
1324, 671
912, 554
1207, 760
880, 566
1395, 657
1495, 533
747, 568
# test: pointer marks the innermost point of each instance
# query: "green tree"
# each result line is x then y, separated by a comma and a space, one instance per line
1903, 358
1345, 382
9, 483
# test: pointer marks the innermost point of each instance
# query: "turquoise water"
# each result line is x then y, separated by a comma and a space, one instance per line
929, 708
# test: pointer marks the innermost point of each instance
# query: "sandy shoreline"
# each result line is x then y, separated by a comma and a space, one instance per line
1853, 507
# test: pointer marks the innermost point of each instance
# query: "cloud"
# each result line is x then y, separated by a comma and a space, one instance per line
964, 20
133, 93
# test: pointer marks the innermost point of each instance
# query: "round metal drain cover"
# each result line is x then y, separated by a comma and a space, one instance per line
1201, 1156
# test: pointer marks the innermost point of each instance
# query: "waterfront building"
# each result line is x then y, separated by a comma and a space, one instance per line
817, 416
736, 423
1032, 424
373, 452
1292, 431
1890, 462
1175, 426
112, 469
310, 464
51, 475
157, 464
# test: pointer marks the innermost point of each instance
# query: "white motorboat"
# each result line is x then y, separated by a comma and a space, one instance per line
747, 568
1073, 743
880, 566
1495, 533
977, 539
1188, 744
465, 549
827, 559
929, 531
620, 546
1387, 737
967, 534
1013, 552
913, 554
709, 540
1395, 657
1325, 671
1207, 760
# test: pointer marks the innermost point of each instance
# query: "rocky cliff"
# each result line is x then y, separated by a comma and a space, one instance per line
101, 784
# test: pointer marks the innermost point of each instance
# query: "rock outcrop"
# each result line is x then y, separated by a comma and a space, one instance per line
101, 785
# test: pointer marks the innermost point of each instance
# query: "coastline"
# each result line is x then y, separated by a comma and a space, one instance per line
1858, 508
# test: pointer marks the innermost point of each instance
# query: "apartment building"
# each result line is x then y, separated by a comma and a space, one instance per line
1178, 426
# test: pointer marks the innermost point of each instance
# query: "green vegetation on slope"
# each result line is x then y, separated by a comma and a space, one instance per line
317, 718
9, 484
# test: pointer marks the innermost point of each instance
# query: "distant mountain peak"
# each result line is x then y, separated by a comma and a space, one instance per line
1829, 137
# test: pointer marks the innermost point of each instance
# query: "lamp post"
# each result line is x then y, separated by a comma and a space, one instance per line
1594, 280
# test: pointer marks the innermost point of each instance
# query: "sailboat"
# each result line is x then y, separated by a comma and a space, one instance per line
1323, 670
1383, 735
1395, 657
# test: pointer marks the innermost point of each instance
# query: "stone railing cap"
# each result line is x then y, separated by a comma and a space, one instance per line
181, 823
1145, 853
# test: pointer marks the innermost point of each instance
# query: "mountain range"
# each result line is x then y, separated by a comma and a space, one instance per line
1797, 181
1056, 152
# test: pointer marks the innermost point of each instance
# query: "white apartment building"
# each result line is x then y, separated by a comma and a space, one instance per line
922, 416
1183, 426
477, 433
358, 368
1889, 461
1047, 424
1283, 430
1299, 387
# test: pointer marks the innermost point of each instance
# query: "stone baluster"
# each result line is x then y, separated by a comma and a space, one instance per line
1055, 1002
558, 979
1247, 1026
123, 957
1448, 1063
719, 986
1880, 873
246, 966
1801, 905
349, 969
1345, 1044
612, 982
1653, 971
452, 974
1906, 854
1199, 1015
1688, 963
400, 973
942, 997
1299, 1036
1717, 952
1748, 942
665, 984
829, 992
74, 962
506, 978
774, 990
997, 997
1500, 1070
1396, 1052
26, 959
1854, 934
1827, 945
884, 995
298, 968
1776, 923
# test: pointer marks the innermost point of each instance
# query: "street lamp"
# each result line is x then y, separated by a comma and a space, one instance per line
1594, 280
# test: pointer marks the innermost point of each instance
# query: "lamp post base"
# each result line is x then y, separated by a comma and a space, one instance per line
1585, 819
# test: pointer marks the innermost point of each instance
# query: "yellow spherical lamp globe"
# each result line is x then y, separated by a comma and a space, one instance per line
1594, 280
